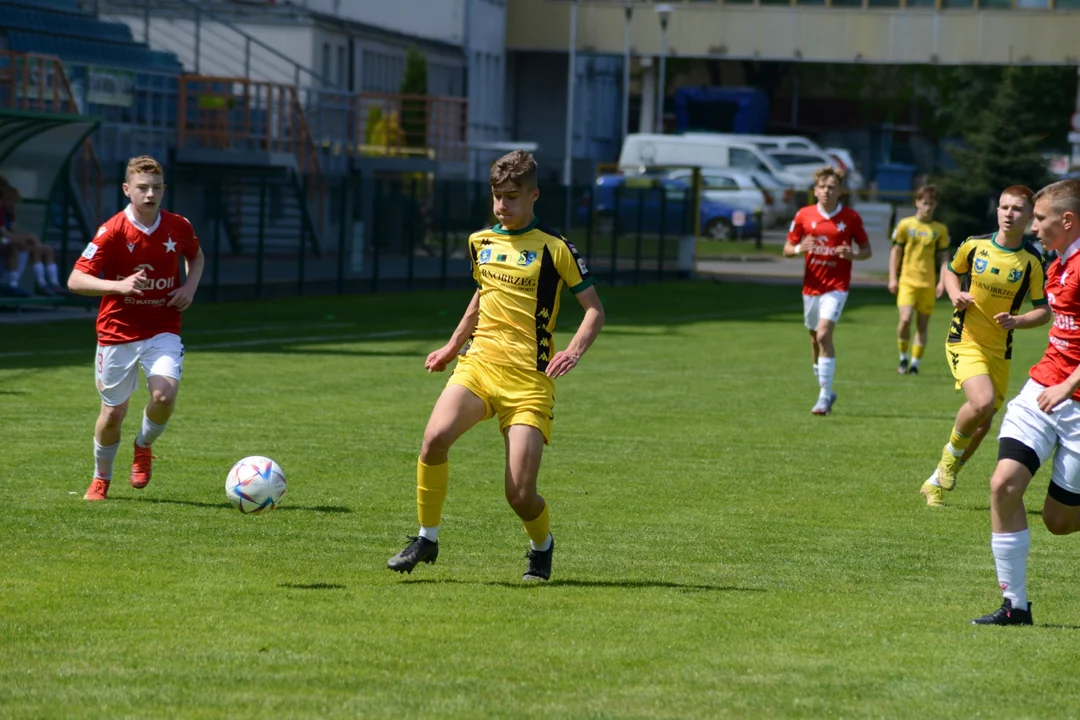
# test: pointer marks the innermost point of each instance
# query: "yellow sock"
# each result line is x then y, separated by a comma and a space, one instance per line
431, 483
959, 442
902, 346
539, 527
917, 351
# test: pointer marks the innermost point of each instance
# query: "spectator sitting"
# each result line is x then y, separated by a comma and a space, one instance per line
46, 274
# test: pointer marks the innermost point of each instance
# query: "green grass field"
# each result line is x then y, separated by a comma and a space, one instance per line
721, 552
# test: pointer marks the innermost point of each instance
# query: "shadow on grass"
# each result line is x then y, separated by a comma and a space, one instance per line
906, 416
624, 584
228, 506
311, 586
986, 509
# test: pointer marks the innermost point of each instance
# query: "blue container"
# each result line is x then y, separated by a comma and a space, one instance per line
895, 179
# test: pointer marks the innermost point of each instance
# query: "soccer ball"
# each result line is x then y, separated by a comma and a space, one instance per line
255, 484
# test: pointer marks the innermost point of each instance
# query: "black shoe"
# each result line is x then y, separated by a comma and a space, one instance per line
913, 370
902, 368
1005, 615
539, 563
417, 551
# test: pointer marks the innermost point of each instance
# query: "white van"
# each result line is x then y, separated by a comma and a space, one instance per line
705, 151
765, 142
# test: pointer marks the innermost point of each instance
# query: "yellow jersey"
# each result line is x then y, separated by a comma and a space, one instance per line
520, 274
998, 278
921, 243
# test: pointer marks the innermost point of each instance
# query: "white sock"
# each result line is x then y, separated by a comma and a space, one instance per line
103, 459
1010, 557
24, 258
934, 479
39, 273
915, 363
542, 547
53, 273
953, 451
826, 370
904, 356
815, 371
430, 533
150, 432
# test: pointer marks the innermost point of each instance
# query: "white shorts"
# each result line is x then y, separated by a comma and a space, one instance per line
826, 306
1042, 432
116, 368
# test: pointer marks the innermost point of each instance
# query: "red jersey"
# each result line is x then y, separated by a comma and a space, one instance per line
824, 271
121, 248
1062, 355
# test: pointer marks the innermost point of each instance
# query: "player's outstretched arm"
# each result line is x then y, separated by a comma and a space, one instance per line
182, 297
566, 360
438, 360
82, 283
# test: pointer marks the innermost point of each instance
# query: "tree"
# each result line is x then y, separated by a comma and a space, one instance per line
414, 108
999, 149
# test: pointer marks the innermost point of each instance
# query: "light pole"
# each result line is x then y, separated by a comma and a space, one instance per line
629, 10
664, 11
571, 88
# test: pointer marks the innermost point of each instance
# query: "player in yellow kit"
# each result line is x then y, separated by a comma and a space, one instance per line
987, 281
920, 247
510, 364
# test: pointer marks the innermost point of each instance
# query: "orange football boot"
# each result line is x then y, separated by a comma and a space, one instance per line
99, 489
140, 467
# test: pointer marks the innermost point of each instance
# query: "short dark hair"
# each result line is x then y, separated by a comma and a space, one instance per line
518, 167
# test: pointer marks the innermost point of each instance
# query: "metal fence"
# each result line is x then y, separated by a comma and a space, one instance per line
387, 234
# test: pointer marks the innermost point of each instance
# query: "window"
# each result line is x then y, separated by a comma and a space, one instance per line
740, 158
342, 73
720, 182
326, 61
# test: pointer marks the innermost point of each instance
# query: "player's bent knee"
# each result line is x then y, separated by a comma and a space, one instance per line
520, 498
113, 415
1060, 510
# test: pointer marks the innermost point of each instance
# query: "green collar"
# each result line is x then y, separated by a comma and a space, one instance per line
503, 231
993, 239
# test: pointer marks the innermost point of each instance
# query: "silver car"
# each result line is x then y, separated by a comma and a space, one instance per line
744, 188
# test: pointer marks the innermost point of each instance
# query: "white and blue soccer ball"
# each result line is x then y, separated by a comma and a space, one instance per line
255, 484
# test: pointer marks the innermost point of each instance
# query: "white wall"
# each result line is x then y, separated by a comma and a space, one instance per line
442, 20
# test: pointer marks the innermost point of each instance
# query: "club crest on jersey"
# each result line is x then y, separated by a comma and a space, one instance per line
980, 265
170, 245
484, 256
526, 257
1015, 275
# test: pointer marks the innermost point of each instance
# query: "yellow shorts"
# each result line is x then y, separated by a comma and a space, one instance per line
518, 397
967, 361
923, 299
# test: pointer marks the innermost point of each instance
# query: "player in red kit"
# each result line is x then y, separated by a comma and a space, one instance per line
134, 263
831, 236
1044, 419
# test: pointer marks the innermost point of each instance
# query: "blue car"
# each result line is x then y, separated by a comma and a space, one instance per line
661, 202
